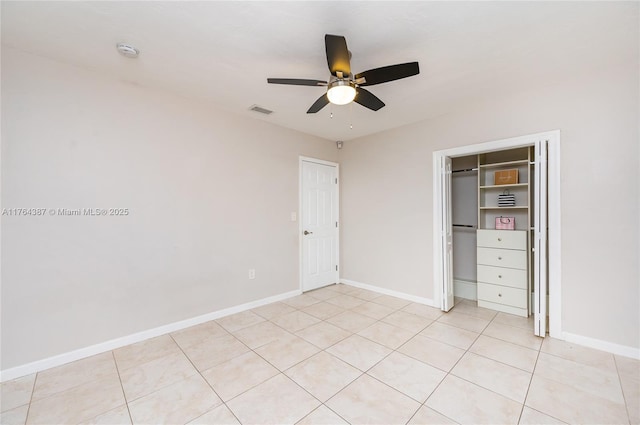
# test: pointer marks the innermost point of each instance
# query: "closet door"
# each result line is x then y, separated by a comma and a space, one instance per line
540, 240
447, 235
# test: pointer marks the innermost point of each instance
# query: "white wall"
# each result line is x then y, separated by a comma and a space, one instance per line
209, 193
387, 195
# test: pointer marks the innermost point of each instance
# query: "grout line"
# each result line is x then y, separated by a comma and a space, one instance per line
529, 386
624, 397
33, 389
124, 396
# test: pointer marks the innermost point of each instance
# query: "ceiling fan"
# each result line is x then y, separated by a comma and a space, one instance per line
343, 86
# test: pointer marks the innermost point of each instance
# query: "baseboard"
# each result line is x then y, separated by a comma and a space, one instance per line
60, 359
393, 293
599, 344
466, 289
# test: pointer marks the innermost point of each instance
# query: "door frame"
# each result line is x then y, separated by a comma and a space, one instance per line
553, 215
302, 159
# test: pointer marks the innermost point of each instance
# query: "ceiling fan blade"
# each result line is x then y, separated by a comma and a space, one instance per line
388, 73
296, 82
368, 99
319, 104
337, 54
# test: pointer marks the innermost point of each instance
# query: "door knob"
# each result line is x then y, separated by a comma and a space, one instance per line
308, 233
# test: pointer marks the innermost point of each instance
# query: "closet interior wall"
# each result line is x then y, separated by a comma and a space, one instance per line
464, 204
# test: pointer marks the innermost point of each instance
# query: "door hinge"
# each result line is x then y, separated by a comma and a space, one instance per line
336, 180
336, 267
336, 224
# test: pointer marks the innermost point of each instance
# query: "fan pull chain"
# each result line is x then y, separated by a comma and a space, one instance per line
351, 115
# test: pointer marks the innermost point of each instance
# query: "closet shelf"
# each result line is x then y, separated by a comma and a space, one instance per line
502, 164
505, 208
502, 186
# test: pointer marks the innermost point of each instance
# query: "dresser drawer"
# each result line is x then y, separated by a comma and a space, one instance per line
502, 258
502, 295
509, 239
515, 278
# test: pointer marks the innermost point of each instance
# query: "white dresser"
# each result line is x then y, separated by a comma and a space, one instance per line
502, 270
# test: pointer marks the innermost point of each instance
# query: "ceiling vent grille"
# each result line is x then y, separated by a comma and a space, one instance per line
260, 109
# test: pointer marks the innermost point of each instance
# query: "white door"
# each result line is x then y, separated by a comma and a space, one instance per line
447, 235
319, 224
540, 240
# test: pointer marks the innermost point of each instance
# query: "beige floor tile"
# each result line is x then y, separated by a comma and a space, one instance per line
364, 294
470, 308
408, 321
477, 406
296, 321
346, 301
61, 378
236, 376
505, 352
359, 352
214, 351
464, 321
498, 377
79, 403
178, 403
407, 375
571, 404
323, 375
519, 336
15, 416
301, 301
450, 335
276, 401
323, 293
342, 288
323, 334
437, 354
16, 392
220, 415
237, 321
151, 376
145, 351
350, 321
392, 302
579, 354
322, 416
426, 311
286, 352
368, 401
628, 367
385, 334
593, 380
198, 333
373, 310
273, 310
515, 321
323, 310
427, 416
119, 416
530, 416
631, 391
258, 335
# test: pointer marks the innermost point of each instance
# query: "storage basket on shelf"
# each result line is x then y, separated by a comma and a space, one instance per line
506, 199
505, 223
505, 177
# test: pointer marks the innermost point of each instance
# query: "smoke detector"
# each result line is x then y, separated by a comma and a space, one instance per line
127, 50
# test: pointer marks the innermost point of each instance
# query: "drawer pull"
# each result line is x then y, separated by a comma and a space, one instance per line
499, 295
499, 239
499, 276
499, 258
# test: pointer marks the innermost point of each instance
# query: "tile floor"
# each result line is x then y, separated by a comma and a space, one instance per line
334, 356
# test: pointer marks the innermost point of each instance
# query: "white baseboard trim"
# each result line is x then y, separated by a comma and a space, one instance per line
393, 293
466, 289
599, 344
60, 359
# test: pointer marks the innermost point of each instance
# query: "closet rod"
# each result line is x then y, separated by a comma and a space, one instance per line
464, 225
466, 170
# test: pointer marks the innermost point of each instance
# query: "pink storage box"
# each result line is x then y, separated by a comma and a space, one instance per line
505, 223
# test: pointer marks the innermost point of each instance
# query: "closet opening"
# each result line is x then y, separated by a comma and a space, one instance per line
496, 221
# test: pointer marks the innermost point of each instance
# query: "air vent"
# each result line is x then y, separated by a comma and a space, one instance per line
260, 109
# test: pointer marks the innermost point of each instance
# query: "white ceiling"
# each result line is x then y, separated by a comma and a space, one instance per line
223, 52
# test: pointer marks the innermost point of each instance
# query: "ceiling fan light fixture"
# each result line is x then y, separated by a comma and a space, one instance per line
341, 92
